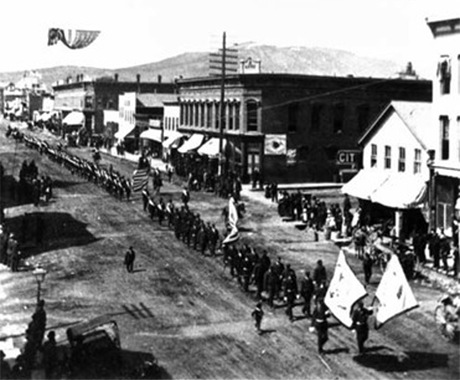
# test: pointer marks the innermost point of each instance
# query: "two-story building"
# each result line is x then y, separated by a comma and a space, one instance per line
288, 127
85, 99
445, 163
392, 186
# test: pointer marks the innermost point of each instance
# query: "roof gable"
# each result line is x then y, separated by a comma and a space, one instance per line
416, 116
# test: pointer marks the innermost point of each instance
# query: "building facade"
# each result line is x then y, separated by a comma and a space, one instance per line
392, 185
445, 160
289, 127
92, 97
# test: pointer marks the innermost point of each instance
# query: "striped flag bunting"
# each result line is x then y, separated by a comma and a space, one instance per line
140, 179
72, 38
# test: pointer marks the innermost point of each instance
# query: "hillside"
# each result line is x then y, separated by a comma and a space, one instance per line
295, 60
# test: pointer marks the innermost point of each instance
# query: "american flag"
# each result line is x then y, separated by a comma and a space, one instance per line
140, 179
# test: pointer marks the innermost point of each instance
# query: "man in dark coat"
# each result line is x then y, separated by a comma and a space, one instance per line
367, 267
359, 316
320, 324
306, 291
129, 259
319, 274
290, 293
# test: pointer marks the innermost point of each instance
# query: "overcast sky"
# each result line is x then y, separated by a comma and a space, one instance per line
142, 31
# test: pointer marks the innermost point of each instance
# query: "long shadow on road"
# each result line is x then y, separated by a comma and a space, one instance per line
40, 232
410, 361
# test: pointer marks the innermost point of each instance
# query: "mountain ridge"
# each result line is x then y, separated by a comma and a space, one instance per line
274, 59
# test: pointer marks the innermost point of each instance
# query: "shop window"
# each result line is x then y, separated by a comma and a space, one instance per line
373, 155
387, 157
231, 119
251, 116
444, 125
216, 116
402, 160
237, 116
209, 115
202, 124
339, 112
293, 116
417, 161
444, 75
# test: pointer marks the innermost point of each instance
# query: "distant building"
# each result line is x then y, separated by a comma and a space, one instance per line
87, 99
141, 121
445, 161
290, 128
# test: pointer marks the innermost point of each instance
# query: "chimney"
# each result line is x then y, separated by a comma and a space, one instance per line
116, 77
159, 78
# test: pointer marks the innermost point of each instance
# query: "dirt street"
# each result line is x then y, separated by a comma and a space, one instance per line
185, 308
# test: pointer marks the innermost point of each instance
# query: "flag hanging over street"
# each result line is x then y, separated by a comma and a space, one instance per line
343, 291
394, 294
140, 179
72, 38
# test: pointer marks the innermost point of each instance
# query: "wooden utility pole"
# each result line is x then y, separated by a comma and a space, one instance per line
222, 109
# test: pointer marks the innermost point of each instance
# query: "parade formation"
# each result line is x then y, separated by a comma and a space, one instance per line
302, 292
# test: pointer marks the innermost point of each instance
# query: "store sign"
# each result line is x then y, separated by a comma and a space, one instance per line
348, 157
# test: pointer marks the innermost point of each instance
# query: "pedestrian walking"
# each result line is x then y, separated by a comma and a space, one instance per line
320, 324
359, 316
130, 256
258, 314
290, 294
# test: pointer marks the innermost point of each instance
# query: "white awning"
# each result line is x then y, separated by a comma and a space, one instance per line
192, 143
74, 118
171, 138
211, 147
122, 133
401, 191
151, 134
365, 183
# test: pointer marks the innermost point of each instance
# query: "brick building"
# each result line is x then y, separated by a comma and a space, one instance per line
289, 127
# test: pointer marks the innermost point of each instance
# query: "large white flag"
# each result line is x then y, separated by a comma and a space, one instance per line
394, 294
232, 213
343, 291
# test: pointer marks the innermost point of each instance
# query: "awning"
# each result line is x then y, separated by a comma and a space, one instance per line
192, 143
211, 147
171, 138
122, 133
151, 134
401, 191
74, 118
365, 183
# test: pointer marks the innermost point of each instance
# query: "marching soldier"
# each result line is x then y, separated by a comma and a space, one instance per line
359, 317
290, 293
270, 284
320, 324
306, 291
